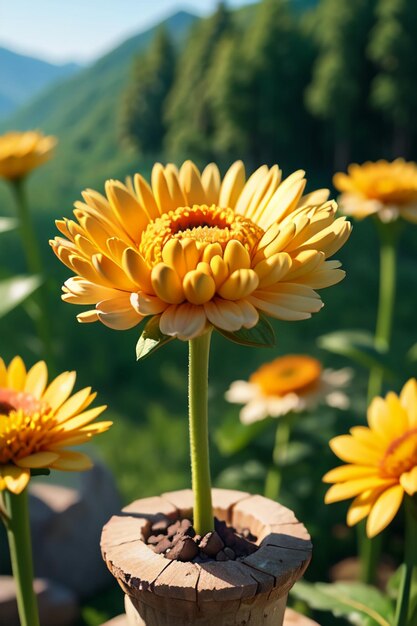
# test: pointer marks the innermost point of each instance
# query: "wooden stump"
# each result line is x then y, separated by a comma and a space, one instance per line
252, 591
291, 618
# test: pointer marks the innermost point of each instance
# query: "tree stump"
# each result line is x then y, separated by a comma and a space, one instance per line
252, 591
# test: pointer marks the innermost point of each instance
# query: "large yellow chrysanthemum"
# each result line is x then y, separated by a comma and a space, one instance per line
382, 461
38, 422
387, 190
22, 152
198, 251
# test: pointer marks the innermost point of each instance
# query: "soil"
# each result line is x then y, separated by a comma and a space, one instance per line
178, 540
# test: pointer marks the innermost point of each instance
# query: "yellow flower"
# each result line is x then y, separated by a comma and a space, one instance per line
382, 461
199, 252
387, 190
291, 383
22, 152
38, 422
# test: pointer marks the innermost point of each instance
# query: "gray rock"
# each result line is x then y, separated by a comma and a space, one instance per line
57, 605
66, 526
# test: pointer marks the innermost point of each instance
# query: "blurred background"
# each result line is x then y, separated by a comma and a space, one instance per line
312, 84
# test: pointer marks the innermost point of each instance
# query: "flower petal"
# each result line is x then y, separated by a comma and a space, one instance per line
384, 510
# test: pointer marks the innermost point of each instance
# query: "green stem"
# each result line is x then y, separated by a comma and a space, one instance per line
279, 454
410, 562
18, 533
34, 264
387, 285
370, 549
199, 350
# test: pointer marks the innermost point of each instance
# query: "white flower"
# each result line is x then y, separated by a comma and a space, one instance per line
292, 383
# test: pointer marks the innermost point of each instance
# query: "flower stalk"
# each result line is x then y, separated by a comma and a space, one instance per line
370, 549
34, 263
18, 534
410, 563
279, 455
199, 350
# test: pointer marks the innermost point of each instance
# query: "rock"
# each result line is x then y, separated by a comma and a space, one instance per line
58, 605
66, 527
229, 553
185, 549
211, 544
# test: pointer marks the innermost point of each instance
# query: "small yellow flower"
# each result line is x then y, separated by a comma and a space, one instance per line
38, 422
22, 152
199, 251
387, 190
382, 461
291, 383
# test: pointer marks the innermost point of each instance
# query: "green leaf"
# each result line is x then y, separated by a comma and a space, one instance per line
15, 290
359, 604
359, 347
412, 353
262, 335
7, 223
233, 436
151, 339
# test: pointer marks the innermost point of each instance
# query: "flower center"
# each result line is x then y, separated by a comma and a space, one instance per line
11, 400
391, 191
25, 424
401, 455
288, 374
202, 223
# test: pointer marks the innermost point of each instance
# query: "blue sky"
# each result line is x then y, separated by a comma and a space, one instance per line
82, 30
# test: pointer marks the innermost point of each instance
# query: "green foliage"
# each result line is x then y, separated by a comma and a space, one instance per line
359, 347
151, 339
361, 605
340, 82
257, 85
142, 121
393, 47
261, 335
14, 291
189, 111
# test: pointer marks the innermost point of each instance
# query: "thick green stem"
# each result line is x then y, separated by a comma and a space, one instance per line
410, 562
370, 549
199, 350
18, 534
34, 264
279, 454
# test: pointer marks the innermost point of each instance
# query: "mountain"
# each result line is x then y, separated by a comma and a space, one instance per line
24, 77
83, 112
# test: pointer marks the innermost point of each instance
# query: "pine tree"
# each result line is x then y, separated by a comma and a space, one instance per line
393, 47
257, 87
339, 85
142, 120
189, 112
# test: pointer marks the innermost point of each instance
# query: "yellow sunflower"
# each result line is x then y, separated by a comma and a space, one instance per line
38, 422
387, 190
199, 251
382, 461
22, 152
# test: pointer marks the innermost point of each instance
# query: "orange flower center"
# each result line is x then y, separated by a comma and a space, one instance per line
392, 190
204, 224
25, 425
401, 455
11, 400
288, 374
